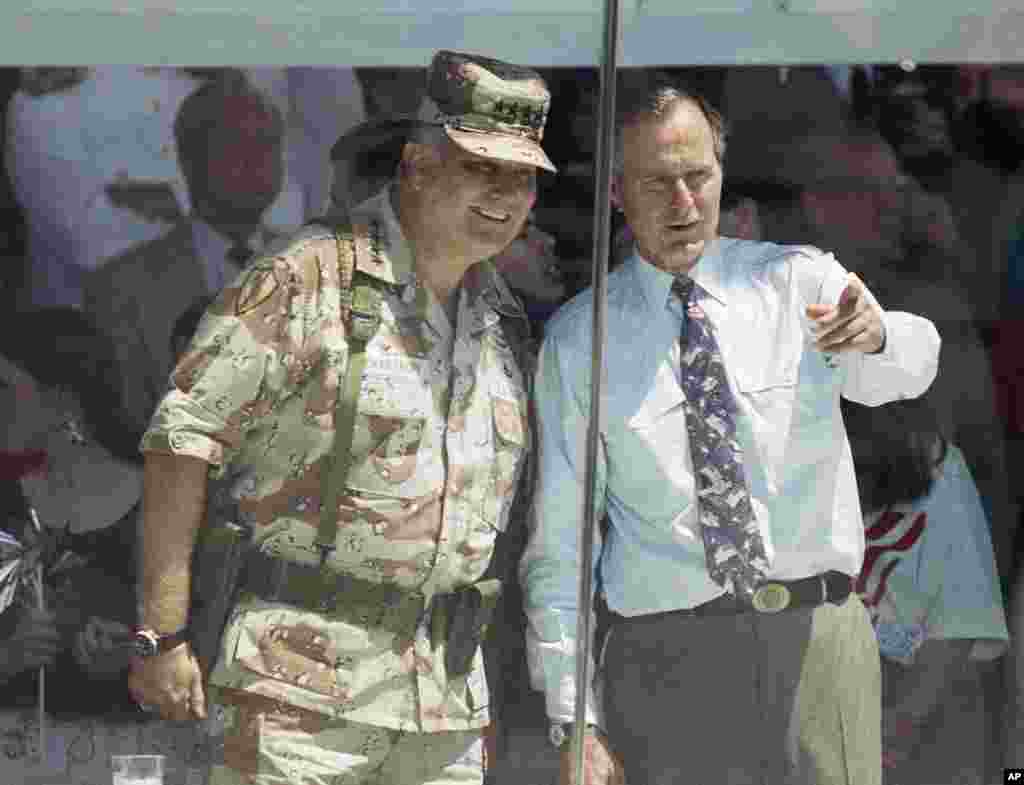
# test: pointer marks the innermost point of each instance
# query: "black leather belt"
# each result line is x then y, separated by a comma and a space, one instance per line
307, 586
769, 597
459, 618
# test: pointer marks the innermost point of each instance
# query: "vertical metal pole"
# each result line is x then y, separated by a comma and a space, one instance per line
602, 229
41, 604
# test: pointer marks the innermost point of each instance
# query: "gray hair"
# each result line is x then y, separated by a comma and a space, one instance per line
653, 96
428, 135
432, 135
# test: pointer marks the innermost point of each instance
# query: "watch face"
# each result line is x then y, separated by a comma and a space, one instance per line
557, 735
145, 645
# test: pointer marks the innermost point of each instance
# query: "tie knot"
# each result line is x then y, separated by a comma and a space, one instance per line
682, 287
239, 254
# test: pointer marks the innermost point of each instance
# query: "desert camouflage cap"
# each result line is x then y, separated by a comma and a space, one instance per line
486, 106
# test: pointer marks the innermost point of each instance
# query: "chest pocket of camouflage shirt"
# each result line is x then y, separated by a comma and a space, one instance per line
388, 436
508, 402
389, 510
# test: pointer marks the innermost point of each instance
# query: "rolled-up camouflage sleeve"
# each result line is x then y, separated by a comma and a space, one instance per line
247, 345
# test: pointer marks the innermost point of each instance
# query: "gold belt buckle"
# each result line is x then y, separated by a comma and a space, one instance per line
771, 598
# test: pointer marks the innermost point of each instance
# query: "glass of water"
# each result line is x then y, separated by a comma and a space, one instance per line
137, 769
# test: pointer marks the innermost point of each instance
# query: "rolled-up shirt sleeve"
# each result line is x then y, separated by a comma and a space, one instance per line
549, 570
221, 385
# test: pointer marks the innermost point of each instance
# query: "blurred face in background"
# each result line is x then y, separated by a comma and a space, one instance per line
29, 412
584, 119
1006, 84
529, 265
914, 116
740, 219
861, 210
244, 161
874, 214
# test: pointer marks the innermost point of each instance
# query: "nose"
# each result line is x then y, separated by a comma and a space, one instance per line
681, 195
512, 182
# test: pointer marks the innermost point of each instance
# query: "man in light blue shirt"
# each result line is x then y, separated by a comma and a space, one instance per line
772, 682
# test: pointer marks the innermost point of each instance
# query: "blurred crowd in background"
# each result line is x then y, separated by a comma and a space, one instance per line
130, 196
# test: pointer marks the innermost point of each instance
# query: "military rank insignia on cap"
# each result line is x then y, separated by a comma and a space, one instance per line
487, 107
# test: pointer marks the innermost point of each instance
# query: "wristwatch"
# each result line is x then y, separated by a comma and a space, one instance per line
561, 732
149, 643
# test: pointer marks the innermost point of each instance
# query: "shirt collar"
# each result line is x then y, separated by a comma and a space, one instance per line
391, 244
656, 283
485, 291
488, 297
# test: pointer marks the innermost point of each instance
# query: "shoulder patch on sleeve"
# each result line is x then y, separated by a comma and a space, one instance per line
259, 286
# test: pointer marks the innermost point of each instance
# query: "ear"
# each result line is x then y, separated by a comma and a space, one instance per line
617, 191
418, 162
813, 207
748, 220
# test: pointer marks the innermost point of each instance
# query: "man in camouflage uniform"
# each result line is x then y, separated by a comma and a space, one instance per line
345, 680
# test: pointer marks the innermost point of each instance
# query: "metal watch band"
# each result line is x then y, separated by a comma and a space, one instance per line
149, 642
561, 732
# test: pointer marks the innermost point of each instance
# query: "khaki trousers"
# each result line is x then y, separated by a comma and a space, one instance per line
787, 699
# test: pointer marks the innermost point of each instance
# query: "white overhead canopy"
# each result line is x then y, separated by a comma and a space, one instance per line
539, 32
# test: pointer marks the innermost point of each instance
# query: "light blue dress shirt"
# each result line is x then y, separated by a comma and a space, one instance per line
932, 573
798, 461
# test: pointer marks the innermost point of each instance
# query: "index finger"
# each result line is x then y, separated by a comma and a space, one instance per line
198, 700
844, 309
832, 296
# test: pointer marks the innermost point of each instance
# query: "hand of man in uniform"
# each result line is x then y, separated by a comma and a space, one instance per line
600, 766
34, 643
170, 683
854, 324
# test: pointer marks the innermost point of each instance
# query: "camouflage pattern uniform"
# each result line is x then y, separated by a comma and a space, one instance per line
439, 445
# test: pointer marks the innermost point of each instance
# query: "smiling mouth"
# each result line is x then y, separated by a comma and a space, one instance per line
491, 216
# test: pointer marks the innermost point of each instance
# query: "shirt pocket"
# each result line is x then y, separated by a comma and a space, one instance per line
291, 647
767, 397
509, 443
388, 437
323, 662
662, 404
389, 508
650, 449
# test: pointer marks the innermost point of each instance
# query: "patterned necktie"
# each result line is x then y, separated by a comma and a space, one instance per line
733, 546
